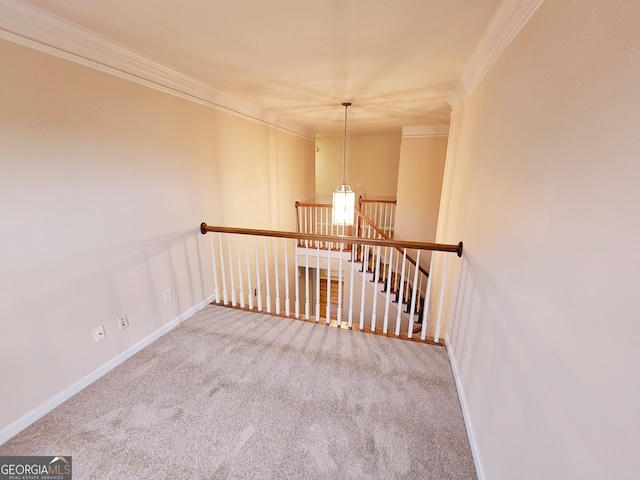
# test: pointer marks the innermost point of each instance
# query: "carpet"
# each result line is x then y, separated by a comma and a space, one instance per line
238, 395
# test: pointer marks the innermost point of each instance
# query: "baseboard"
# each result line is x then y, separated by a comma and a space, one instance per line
39, 412
465, 412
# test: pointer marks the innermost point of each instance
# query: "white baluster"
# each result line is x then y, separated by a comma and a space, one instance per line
396, 282
385, 325
258, 280
339, 319
240, 273
233, 287
225, 294
364, 282
413, 295
328, 306
317, 282
287, 306
375, 214
306, 221
249, 283
376, 277
425, 307
384, 218
216, 290
307, 303
326, 223
297, 281
275, 263
436, 337
401, 292
353, 263
266, 276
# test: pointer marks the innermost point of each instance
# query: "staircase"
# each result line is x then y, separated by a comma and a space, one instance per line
388, 283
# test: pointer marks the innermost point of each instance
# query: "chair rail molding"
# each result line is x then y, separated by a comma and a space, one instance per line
510, 17
36, 28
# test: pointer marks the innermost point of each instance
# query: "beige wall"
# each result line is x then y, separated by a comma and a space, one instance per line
103, 184
541, 184
372, 165
419, 187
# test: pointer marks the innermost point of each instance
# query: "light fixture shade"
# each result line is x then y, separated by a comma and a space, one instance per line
344, 204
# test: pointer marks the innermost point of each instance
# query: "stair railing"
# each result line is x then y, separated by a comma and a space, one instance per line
251, 262
381, 212
316, 218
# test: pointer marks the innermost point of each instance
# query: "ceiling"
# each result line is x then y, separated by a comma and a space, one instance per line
397, 61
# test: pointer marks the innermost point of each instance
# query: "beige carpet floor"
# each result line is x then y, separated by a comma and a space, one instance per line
231, 394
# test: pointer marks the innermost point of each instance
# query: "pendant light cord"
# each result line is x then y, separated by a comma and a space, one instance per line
344, 146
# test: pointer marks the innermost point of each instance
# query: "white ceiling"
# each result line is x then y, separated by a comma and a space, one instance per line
397, 61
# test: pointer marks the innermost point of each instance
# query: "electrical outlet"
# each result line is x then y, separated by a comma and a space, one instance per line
123, 322
98, 333
166, 295
467, 352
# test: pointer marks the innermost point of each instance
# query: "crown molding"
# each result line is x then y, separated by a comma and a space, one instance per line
508, 20
33, 27
425, 131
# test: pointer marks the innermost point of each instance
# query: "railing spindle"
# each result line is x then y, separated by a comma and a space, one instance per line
328, 294
413, 295
340, 285
385, 325
258, 280
425, 307
216, 290
396, 285
376, 277
287, 306
275, 266
233, 287
266, 276
240, 272
297, 281
249, 283
376, 218
364, 282
307, 304
317, 282
401, 291
306, 221
324, 221
225, 293
353, 263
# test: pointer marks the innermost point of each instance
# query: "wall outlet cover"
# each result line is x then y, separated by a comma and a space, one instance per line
99, 334
123, 322
166, 295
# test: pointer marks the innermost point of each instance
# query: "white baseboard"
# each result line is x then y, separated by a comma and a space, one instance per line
465, 412
39, 412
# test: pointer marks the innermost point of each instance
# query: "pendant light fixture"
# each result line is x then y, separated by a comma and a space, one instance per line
344, 199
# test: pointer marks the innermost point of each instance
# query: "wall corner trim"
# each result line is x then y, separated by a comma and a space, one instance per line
425, 131
39, 412
36, 28
510, 17
465, 411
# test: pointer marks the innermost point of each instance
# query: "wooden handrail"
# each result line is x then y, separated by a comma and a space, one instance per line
371, 224
362, 200
384, 235
307, 204
439, 247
